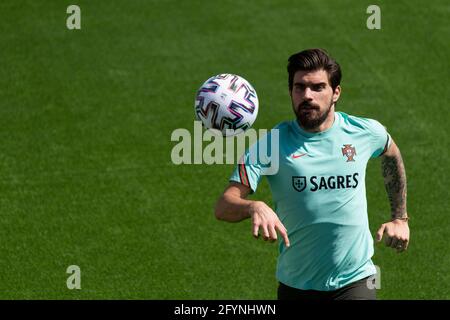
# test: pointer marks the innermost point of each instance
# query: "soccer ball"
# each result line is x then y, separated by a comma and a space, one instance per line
226, 101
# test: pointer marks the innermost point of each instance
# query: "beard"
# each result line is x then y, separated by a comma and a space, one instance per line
309, 115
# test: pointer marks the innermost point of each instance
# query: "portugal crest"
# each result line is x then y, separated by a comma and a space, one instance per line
349, 152
299, 183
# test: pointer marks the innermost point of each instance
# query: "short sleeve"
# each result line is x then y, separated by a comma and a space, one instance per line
260, 159
247, 172
380, 138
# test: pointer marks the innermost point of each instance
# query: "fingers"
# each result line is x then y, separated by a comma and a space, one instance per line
283, 232
273, 234
405, 239
256, 230
395, 243
401, 246
406, 245
380, 232
388, 241
396, 236
266, 220
269, 231
266, 235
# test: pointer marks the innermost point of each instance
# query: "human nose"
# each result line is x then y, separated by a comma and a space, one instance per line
308, 94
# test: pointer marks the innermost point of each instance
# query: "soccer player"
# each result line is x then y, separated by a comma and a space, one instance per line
319, 194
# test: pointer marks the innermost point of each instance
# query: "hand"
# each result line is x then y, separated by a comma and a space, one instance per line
397, 234
263, 217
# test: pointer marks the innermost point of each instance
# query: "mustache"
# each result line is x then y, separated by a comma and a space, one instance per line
306, 105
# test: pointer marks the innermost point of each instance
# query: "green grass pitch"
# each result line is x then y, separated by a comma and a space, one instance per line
86, 116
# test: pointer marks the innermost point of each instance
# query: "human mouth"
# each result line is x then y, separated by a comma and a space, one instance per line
308, 110
308, 107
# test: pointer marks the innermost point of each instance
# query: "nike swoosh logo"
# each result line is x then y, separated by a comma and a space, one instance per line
294, 156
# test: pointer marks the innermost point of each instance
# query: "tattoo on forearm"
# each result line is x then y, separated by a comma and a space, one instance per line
395, 183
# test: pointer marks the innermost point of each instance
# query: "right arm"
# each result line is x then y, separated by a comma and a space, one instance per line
233, 206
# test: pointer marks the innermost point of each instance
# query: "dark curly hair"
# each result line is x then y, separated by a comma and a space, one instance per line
313, 60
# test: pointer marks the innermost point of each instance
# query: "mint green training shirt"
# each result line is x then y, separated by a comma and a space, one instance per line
319, 195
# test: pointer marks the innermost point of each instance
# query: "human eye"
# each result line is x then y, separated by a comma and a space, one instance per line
318, 87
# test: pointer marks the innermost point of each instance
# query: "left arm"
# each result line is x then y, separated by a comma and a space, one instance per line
397, 230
